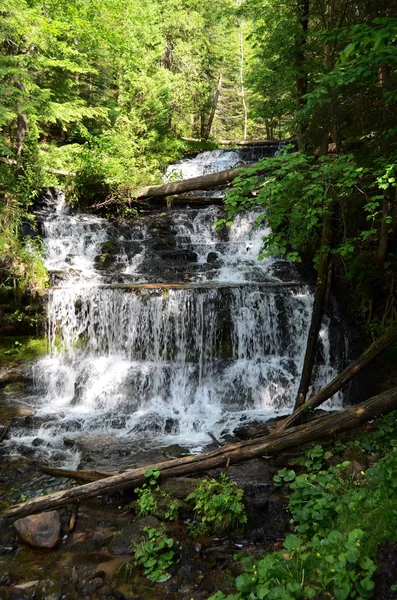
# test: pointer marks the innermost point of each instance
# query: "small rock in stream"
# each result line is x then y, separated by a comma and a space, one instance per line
89, 586
175, 451
40, 531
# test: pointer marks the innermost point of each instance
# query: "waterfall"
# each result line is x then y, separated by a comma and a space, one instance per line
164, 329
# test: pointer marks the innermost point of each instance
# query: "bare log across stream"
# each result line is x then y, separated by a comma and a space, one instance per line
203, 182
221, 457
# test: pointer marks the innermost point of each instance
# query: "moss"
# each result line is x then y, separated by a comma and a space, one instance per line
21, 349
108, 255
11, 388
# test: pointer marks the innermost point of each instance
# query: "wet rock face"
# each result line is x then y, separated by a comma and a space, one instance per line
40, 531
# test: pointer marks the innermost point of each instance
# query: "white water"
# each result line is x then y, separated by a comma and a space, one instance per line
152, 367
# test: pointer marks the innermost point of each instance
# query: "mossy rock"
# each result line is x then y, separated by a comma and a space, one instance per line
13, 388
108, 255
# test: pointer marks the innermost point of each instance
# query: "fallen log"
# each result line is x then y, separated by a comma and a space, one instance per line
196, 200
341, 380
84, 476
236, 142
207, 285
203, 182
249, 142
221, 457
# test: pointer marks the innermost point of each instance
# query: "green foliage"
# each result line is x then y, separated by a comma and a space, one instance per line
283, 477
334, 564
22, 257
121, 80
21, 349
154, 501
156, 554
294, 192
313, 459
314, 505
340, 518
218, 506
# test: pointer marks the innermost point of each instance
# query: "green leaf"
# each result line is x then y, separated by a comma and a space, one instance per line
341, 592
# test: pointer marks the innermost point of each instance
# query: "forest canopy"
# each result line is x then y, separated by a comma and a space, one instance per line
112, 92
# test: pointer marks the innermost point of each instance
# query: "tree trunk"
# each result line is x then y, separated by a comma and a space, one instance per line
385, 226
341, 380
318, 309
300, 64
21, 134
388, 195
214, 107
221, 457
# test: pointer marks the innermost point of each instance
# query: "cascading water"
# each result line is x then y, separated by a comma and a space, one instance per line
163, 330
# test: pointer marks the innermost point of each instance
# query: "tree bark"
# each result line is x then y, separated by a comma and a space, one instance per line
84, 476
214, 107
202, 182
301, 81
21, 134
341, 380
221, 457
318, 309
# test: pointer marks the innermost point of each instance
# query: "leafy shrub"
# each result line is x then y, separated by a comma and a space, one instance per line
154, 501
218, 506
341, 517
157, 553
334, 564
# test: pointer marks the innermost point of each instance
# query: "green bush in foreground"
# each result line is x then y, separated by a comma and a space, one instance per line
332, 564
156, 554
218, 506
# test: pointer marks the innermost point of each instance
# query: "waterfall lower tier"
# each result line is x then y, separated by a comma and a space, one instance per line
162, 330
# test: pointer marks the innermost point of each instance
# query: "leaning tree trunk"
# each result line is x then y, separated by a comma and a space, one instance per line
222, 457
318, 309
341, 380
